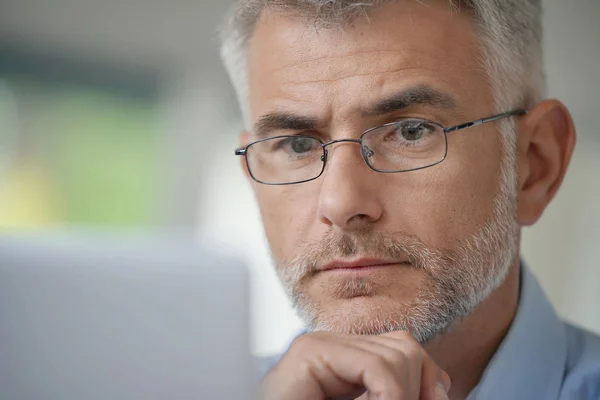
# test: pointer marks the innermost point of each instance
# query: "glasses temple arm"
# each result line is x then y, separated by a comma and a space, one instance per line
485, 120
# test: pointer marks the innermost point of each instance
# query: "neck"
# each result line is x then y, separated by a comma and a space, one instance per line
465, 350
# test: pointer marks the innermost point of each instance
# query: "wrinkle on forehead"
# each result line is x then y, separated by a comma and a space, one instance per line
329, 69
363, 63
371, 53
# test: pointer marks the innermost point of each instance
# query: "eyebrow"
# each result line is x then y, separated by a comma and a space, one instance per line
283, 121
418, 95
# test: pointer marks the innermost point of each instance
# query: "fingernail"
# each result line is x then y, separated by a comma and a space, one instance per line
447, 382
440, 392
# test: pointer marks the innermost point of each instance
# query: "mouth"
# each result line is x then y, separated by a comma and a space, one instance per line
361, 265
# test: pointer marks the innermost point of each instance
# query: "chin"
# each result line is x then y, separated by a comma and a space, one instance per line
361, 316
424, 318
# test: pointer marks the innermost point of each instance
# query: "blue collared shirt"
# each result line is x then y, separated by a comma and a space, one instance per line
541, 357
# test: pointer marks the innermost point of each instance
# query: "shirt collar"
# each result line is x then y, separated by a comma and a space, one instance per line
530, 362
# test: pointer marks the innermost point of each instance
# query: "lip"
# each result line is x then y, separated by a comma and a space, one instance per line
360, 264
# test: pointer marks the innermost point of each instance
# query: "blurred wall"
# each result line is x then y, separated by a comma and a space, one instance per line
202, 185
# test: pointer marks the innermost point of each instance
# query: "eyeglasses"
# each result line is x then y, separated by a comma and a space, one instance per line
405, 145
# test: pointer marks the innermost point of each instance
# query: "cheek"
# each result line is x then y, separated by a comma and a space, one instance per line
287, 212
452, 200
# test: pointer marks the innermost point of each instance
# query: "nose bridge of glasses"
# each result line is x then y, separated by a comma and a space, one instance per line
365, 152
325, 145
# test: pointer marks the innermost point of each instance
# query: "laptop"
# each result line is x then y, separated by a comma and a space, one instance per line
92, 318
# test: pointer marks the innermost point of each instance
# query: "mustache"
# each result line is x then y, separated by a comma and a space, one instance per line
333, 245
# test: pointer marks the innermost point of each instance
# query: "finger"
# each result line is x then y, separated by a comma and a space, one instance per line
404, 356
443, 385
313, 350
334, 386
434, 381
339, 369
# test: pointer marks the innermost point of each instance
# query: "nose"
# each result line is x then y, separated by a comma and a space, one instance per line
349, 196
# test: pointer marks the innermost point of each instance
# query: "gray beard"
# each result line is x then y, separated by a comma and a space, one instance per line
456, 281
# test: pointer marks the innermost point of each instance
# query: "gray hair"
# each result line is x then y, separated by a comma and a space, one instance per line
510, 35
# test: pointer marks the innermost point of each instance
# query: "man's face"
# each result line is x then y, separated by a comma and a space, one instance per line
431, 226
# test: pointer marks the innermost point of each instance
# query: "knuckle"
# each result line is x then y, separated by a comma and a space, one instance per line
301, 344
304, 344
375, 362
393, 370
413, 352
397, 357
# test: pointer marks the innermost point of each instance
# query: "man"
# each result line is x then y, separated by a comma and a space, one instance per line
396, 148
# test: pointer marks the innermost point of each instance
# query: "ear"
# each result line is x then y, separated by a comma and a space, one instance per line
244, 140
545, 142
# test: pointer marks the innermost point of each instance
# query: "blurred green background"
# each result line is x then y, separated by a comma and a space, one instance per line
82, 156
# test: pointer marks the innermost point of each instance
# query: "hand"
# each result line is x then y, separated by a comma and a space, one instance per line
322, 365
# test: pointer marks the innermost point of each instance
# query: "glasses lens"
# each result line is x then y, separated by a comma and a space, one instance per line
404, 146
285, 159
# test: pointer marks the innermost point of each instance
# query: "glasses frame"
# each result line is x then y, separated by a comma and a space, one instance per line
244, 150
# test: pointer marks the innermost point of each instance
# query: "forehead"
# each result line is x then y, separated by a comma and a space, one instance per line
294, 64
